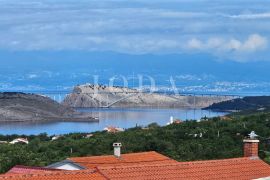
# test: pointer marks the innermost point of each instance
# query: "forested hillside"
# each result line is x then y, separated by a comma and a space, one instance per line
246, 103
213, 139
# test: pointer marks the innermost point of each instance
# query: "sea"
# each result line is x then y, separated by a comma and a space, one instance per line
116, 117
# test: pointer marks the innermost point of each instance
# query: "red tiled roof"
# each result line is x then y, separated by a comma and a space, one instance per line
151, 157
151, 165
238, 168
60, 175
27, 169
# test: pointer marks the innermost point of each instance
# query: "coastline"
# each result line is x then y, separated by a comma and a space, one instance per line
59, 119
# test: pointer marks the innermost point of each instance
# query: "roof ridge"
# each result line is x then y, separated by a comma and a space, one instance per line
102, 156
137, 165
219, 160
36, 168
131, 162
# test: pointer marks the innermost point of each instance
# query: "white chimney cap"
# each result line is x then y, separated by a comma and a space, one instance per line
117, 145
252, 135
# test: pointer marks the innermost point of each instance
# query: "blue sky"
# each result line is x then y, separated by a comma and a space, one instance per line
227, 29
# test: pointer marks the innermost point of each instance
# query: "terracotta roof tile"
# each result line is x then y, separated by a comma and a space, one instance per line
60, 175
153, 166
239, 168
27, 169
151, 157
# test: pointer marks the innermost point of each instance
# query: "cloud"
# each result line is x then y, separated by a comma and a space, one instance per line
195, 44
265, 15
177, 26
253, 48
253, 43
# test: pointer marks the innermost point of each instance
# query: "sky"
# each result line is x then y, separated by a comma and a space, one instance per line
227, 29
211, 45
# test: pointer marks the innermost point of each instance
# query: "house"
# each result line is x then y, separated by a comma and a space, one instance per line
84, 163
172, 121
225, 118
19, 140
152, 165
89, 135
54, 138
118, 159
177, 121
112, 129
238, 168
56, 175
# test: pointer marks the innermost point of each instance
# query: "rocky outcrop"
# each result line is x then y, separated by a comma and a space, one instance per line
102, 96
29, 107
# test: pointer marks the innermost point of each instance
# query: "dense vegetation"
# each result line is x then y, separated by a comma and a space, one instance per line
213, 139
246, 103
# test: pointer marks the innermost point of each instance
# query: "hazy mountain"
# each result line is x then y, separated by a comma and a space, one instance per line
191, 72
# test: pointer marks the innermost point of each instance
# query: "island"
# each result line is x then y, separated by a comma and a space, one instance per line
100, 96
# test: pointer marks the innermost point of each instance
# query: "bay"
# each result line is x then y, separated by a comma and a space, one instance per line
117, 117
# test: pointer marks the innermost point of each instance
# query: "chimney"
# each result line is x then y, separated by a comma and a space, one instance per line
251, 145
117, 149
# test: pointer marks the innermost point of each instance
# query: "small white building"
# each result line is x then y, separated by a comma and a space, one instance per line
3, 142
19, 140
172, 121
55, 138
89, 135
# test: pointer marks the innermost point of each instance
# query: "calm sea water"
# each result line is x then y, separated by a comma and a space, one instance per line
124, 118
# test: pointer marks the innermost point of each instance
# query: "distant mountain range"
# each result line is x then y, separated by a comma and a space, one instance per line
191, 73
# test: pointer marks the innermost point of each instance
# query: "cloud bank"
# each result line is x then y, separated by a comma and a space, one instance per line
228, 29
235, 48
253, 43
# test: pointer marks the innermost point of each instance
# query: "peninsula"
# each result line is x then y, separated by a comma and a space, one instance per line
21, 107
248, 103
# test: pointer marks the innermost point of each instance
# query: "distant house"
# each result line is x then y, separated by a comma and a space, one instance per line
55, 138
89, 135
203, 119
3, 142
19, 140
112, 129
177, 121
172, 121
225, 118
